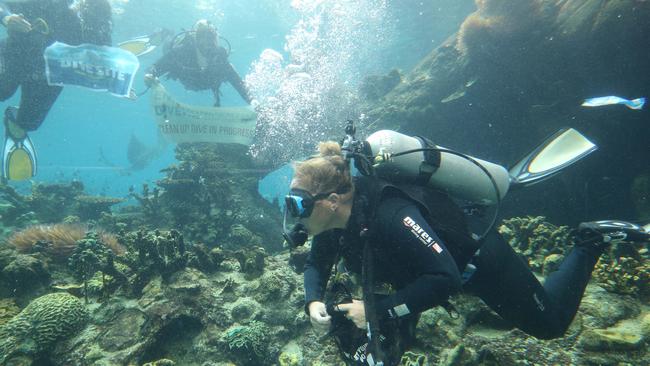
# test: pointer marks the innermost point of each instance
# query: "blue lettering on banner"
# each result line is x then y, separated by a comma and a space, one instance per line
96, 67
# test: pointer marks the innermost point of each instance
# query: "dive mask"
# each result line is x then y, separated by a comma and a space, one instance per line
299, 204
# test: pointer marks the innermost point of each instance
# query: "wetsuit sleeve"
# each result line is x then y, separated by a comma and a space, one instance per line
235, 80
163, 65
233, 77
319, 266
412, 241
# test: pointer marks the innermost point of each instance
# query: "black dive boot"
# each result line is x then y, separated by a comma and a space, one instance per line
599, 235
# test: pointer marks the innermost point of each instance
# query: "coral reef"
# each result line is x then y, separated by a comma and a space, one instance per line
413, 359
92, 207
625, 269
24, 274
14, 208
248, 343
535, 238
251, 261
211, 195
44, 322
91, 255
57, 241
8, 309
151, 253
53, 202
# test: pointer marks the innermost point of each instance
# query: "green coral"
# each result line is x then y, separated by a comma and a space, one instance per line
44, 322
8, 309
413, 359
89, 256
290, 359
535, 238
248, 343
153, 252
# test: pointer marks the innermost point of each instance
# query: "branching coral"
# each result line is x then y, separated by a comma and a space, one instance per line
153, 252
57, 241
91, 255
43, 323
535, 238
625, 274
413, 359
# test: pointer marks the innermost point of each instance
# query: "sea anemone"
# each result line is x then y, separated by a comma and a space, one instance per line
57, 241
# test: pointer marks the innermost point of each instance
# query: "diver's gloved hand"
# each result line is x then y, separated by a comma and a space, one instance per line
319, 317
600, 234
16, 23
355, 311
150, 80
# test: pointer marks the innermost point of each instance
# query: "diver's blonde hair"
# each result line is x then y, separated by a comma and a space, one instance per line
325, 172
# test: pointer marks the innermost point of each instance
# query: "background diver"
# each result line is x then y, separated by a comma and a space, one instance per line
32, 26
420, 256
196, 59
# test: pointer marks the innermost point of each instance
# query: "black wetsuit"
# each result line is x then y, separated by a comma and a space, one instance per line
418, 265
181, 63
21, 57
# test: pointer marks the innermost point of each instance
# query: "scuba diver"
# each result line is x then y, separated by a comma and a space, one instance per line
143, 45
32, 26
196, 59
413, 250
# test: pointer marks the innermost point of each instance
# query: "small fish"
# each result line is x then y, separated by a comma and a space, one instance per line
636, 104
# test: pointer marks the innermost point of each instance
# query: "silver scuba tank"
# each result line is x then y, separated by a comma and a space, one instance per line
458, 176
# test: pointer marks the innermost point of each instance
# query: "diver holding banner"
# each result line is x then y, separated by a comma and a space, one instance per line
99, 68
32, 26
199, 62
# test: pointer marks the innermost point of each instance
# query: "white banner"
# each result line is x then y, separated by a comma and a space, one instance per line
180, 122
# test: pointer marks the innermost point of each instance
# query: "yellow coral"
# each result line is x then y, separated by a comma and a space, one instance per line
289, 359
624, 275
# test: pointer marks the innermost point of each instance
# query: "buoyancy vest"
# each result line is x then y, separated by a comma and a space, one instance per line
437, 208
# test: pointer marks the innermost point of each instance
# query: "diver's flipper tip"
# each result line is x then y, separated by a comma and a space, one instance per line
18, 158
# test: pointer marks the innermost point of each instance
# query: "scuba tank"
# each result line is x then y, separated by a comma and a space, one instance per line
415, 160
399, 158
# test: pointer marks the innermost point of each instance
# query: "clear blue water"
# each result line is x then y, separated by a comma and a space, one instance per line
86, 133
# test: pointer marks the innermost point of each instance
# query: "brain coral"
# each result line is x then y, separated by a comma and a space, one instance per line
45, 321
